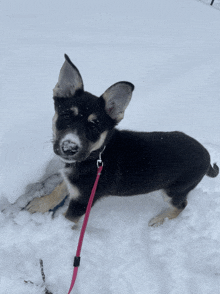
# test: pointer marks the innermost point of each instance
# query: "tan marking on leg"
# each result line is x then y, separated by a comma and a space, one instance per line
170, 213
48, 202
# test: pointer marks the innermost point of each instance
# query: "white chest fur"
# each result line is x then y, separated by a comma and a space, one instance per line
73, 190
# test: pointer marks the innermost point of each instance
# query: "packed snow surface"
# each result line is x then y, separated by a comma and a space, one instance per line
170, 51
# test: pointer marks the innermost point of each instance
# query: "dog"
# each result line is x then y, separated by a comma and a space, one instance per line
134, 162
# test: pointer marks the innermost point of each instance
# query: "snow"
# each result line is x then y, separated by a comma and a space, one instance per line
170, 51
216, 3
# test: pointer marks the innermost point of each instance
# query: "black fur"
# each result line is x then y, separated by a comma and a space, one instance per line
138, 163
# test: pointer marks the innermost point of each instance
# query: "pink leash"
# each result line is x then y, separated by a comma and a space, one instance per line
85, 221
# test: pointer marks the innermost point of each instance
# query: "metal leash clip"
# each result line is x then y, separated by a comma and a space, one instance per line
99, 161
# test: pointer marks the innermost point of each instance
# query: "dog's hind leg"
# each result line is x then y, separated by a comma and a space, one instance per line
177, 193
48, 202
177, 199
170, 213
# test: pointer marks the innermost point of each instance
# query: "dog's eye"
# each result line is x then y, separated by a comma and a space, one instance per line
94, 125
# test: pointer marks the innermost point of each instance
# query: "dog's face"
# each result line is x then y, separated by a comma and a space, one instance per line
82, 121
80, 126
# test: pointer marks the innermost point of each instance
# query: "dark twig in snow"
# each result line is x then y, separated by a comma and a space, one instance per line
43, 276
27, 282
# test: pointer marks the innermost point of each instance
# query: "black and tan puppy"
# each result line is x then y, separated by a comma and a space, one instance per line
134, 162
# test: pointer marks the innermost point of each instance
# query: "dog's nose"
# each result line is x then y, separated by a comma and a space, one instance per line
69, 147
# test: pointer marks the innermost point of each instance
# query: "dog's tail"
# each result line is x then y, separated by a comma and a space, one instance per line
213, 171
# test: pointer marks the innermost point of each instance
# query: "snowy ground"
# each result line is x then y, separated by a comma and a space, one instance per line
170, 51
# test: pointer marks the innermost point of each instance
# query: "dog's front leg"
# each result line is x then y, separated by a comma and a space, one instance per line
48, 202
75, 210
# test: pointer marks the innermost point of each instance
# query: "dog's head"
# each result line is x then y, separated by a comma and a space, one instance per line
82, 121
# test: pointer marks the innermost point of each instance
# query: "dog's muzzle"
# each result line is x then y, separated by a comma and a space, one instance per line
69, 148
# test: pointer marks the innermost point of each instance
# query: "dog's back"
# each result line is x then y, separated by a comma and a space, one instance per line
144, 162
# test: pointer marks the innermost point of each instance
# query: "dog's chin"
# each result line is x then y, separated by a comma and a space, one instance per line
65, 160
70, 160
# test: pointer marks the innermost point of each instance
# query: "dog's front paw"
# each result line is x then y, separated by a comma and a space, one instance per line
39, 205
48, 202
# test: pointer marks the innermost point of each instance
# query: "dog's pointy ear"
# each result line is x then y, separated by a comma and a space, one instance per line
69, 80
117, 98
